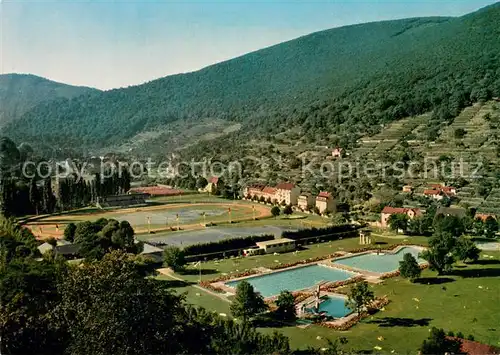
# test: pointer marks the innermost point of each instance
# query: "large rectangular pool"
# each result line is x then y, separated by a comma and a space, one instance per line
294, 279
382, 263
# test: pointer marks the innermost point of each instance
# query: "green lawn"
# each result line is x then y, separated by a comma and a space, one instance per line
457, 304
196, 296
466, 301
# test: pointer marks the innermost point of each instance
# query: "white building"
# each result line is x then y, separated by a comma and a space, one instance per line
287, 192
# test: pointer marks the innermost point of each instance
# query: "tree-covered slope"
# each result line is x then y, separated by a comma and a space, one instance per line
340, 81
19, 93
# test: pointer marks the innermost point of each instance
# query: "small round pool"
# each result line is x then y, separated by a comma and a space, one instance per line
332, 306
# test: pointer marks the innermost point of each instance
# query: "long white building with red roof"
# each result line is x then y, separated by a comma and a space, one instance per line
285, 192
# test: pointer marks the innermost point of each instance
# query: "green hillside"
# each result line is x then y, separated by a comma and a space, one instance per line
334, 84
19, 93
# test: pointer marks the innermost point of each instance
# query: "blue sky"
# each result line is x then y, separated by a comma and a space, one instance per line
108, 44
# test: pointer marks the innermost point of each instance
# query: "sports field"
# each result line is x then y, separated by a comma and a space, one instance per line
156, 218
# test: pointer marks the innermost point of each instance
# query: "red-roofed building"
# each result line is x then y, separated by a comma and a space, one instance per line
438, 192
286, 192
324, 202
269, 193
253, 190
388, 211
484, 216
435, 194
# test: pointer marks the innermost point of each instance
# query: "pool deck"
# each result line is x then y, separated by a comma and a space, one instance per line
265, 271
369, 276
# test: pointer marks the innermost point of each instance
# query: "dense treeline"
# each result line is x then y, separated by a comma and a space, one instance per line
348, 80
26, 191
96, 239
225, 244
108, 306
332, 231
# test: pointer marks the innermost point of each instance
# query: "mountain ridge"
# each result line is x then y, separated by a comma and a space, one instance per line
347, 79
21, 92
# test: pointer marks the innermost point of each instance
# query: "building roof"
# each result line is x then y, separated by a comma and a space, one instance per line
68, 249
437, 189
451, 211
435, 186
155, 191
400, 210
447, 188
484, 216
274, 241
305, 195
325, 194
269, 190
213, 180
285, 186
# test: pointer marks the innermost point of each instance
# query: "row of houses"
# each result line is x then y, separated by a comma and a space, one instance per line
288, 193
417, 212
435, 191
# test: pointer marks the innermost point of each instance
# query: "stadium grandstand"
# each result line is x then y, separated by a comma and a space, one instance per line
130, 199
159, 190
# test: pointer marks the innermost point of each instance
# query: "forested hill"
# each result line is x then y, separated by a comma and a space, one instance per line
336, 82
19, 93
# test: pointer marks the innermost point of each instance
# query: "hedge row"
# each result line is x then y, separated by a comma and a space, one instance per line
225, 245
318, 232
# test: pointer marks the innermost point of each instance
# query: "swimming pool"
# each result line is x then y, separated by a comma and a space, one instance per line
294, 279
334, 307
385, 262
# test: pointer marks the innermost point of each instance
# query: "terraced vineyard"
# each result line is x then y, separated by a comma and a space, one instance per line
389, 137
460, 154
480, 138
468, 195
492, 203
